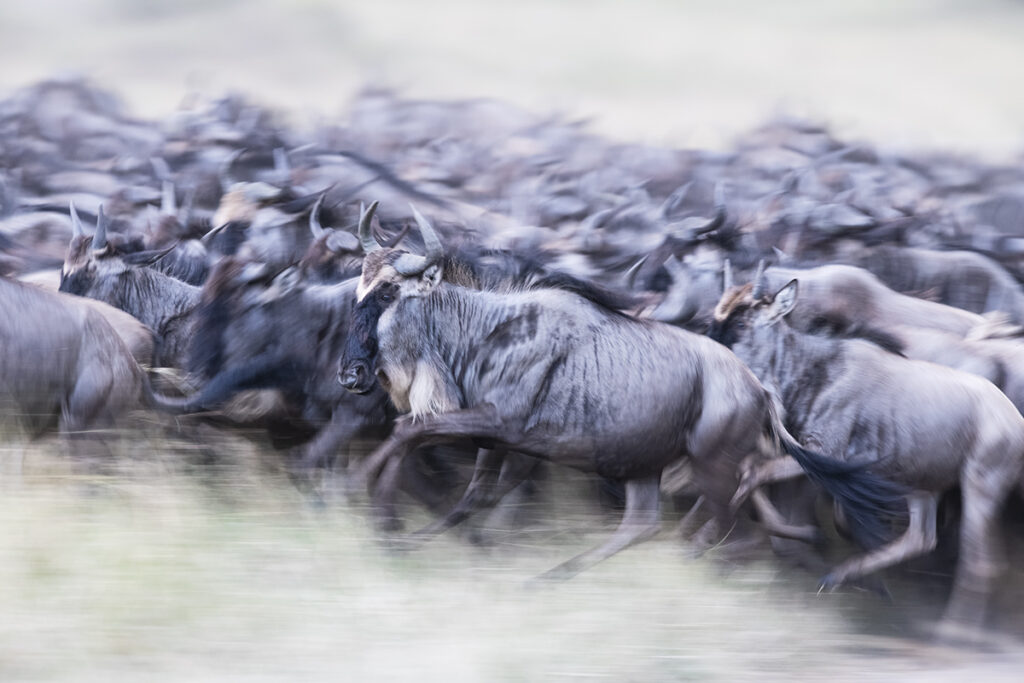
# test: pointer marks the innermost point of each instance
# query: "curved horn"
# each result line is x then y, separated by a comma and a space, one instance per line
727, 276
185, 214
366, 238
430, 239
224, 172
629, 277
314, 219
99, 240
760, 281
76, 223
168, 206
281, 165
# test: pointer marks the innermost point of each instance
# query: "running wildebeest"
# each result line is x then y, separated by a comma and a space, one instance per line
925, 426
94, 269
61, 363
541, 371
838, 293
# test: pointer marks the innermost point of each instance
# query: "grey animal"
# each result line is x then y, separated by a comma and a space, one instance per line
541, 371
964, 279
93, 268
922, 425
61, 364
836, 292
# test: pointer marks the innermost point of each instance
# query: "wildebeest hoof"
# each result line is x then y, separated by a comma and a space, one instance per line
829, 583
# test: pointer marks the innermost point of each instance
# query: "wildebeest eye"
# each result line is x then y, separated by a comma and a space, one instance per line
387, 297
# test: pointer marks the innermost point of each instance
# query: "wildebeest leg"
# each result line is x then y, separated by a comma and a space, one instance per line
496, 473
767, 471
775, 524
640, 521
344, 424
918, 539
475, 422
981, 553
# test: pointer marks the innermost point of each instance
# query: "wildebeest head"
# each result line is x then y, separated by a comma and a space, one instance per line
90, 258
412, 274
746, 310
389, 274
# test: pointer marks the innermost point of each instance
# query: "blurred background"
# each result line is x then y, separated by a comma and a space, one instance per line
914, 73
164, 569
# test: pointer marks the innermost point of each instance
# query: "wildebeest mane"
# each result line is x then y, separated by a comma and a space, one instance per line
612, 302
836, 325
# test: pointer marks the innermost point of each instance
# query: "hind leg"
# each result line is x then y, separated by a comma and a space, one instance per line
918, 539
981, 553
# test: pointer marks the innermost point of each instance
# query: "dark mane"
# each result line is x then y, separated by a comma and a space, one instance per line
206, 349
840, 327
613, 302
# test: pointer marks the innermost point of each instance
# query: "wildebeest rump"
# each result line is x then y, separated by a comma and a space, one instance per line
61, 363
541, 371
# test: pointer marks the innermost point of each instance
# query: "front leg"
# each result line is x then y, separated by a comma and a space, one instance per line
385, 463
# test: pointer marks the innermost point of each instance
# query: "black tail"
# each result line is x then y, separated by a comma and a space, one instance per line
869, 501
257, 374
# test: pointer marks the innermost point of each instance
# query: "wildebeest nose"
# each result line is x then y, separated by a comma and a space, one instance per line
352, 375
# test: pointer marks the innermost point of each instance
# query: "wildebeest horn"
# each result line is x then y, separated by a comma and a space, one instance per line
760, 282
430, 239
314, 219
629, 277
366, 238
168, 206
727, 276
99, 240
76, 223
281, 164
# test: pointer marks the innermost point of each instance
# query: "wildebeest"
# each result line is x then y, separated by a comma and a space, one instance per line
963, 279
61, 363
94, 269
845, 293
923, 425
260, 331
541, 371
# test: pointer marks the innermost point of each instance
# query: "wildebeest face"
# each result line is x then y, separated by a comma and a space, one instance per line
358, 364
389, 275
740, 318
413, 275
90, 259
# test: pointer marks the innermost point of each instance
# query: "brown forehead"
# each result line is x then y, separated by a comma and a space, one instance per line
733, 300
377, 267
78, 250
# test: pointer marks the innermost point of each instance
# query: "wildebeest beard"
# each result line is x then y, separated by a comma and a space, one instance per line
358, 364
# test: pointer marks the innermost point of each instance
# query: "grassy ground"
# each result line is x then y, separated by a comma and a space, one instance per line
160, 571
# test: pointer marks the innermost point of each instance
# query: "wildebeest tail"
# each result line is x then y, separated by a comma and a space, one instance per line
870, 502
256, 374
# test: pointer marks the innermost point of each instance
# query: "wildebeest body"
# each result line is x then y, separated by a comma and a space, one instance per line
61, 362
927, 426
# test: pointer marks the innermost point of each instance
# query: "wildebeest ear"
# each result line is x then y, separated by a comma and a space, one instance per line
145, 258
783, 301
431, 276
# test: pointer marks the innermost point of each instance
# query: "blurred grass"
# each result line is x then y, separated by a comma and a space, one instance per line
156, 570
914, 73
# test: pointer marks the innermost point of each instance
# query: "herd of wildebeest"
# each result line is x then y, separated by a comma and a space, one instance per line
794, 319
